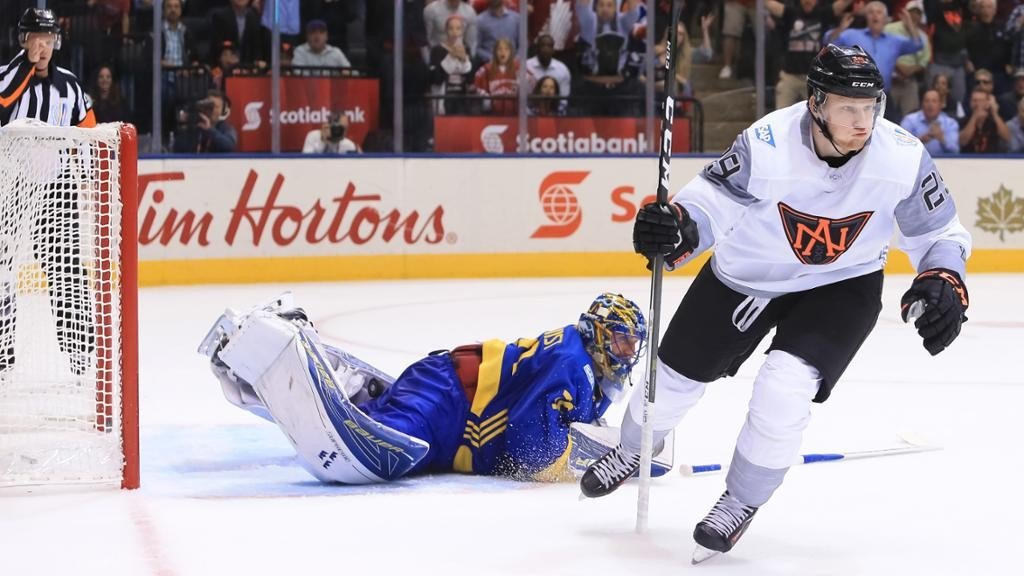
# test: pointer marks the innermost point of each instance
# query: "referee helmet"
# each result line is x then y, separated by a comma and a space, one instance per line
38, 20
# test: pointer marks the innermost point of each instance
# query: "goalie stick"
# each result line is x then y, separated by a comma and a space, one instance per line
910, 444
664, 161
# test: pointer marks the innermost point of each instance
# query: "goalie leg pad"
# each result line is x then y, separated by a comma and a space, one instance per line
590, 442
336, 441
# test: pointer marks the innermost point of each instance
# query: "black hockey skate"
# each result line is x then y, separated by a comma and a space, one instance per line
609, 472
719, 531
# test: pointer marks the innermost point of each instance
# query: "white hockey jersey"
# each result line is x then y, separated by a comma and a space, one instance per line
782, 220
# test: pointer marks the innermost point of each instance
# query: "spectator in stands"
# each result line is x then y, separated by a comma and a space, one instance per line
203, 127
494, 23
287, 53
107, 103
984, 132
338, 14
939, 133
686, 57
1008, 100
1015, 37
910, 68
545, 99
1016, 128
330, 138
498, 78
227, 62
984, 81
604, 33
736, 15
949, 44
557, 19
316, 51
436, 15
177, 39
884, 48
450, 68
239, 24
986, 47
545, 65
953, 108
803, 25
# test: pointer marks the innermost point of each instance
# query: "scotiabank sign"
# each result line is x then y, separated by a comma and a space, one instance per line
306, 103
497, 135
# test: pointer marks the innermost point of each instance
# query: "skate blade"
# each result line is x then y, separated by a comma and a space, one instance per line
700, 554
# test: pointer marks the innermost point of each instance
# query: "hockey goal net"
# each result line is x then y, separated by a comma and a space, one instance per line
68, 354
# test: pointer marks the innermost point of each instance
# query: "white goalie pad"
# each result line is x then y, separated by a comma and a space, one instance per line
283, 362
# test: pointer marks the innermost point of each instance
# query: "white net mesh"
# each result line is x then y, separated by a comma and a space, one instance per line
60, 345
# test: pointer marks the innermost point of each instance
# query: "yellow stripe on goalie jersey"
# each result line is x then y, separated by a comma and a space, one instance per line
559, 470
488, 379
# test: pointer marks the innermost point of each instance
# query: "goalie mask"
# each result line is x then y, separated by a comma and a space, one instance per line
614, 333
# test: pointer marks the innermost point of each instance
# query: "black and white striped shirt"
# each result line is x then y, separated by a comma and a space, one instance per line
57, 99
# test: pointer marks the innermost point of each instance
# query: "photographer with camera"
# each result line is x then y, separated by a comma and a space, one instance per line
330, 137
202, 126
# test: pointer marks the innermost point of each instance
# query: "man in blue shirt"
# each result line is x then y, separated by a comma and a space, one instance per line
495, 23
939, 133
884, 48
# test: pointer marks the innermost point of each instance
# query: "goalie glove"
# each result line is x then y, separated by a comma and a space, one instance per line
665, 229
945, 301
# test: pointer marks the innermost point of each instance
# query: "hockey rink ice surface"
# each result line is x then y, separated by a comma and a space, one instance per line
221, 493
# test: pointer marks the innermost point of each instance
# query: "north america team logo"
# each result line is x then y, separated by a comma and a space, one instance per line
817, 239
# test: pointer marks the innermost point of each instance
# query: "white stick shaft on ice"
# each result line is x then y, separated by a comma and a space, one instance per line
813, 458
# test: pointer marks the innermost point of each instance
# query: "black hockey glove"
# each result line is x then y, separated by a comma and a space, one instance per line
666, 229
945, 301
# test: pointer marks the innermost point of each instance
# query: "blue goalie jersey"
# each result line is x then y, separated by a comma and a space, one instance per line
517, 424
528, 394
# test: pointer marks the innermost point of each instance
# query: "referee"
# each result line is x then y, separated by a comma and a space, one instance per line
31, 86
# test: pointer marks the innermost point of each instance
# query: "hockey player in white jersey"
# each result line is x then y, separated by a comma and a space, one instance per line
800, 211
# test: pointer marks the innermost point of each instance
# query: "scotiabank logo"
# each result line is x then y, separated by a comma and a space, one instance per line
560, 204
253, 119
303, 115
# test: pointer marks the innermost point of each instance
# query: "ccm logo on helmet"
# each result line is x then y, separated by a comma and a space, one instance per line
862, 84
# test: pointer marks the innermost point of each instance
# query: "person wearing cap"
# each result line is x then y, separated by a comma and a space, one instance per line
316, 52
909, 71
1008, 100
330, 137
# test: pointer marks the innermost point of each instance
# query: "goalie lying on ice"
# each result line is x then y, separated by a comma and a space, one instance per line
494, 408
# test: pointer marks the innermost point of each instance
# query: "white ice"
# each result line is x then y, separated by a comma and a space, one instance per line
222, 494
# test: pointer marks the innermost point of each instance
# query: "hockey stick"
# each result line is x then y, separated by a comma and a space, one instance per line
910, 445
664, 160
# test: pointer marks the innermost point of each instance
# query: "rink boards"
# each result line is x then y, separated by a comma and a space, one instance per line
231, 220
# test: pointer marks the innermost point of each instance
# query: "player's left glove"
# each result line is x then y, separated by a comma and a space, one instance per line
945, 299
667, 229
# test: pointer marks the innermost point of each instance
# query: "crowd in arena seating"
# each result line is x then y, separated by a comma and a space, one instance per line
955, 67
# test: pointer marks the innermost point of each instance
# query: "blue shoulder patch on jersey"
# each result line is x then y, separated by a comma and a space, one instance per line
764, 134
904, 138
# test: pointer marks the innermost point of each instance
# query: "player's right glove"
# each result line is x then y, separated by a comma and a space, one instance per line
665, 229
945, 301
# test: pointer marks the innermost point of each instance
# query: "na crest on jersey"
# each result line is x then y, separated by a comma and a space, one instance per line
764, 134
817, 239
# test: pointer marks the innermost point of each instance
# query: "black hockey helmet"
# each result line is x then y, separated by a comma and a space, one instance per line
846, 71
38, 20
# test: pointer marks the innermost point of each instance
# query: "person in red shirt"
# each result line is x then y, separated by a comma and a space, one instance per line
498, 78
